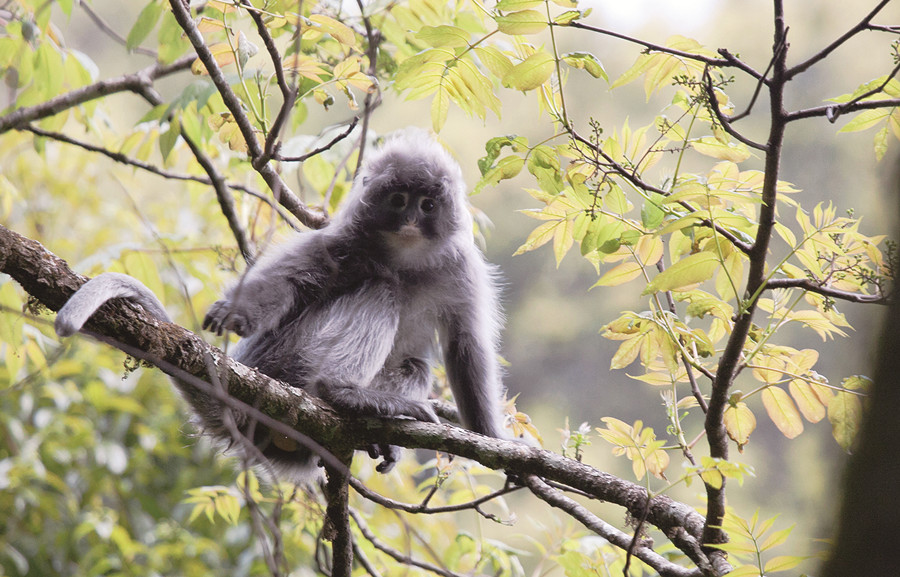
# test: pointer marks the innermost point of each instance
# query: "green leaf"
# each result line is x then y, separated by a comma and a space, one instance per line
866, 119
651, 213
508, 167
844, 414
690, 270
518, 5
146, 22
585, 61
522, 23
530, 73
775, 539
444, 35
495, 61
440, 105
783, 563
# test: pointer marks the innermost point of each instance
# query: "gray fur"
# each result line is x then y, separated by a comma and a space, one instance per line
352, 313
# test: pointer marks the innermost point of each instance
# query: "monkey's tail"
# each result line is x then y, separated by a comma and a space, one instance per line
98, 290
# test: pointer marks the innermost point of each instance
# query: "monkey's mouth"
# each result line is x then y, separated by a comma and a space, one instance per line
409, 233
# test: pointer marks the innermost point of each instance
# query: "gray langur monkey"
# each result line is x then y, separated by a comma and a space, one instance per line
355, 313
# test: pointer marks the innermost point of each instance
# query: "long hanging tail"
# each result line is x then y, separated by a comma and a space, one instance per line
97, 291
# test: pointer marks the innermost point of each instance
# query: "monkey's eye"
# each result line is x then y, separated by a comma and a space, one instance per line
427, 205
397, 200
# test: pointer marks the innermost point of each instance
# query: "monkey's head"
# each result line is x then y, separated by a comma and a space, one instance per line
410, 196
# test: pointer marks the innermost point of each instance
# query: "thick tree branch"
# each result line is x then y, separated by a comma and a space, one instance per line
756, 278
49, 280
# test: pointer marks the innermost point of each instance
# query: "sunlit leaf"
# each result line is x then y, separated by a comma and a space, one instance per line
585, 61
807, 400
146, 22
710, 146
443, 35
530, 73
690, 270
523, 23
739, 422
782, 411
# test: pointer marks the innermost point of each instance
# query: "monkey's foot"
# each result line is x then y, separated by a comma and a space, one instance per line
390, 454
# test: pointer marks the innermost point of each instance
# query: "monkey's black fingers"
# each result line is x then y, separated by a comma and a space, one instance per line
391, 454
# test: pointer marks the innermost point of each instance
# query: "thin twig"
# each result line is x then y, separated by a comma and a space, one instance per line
219, 184
373, 96
393, 553
813, 287
724, 122
323, 148
127, 83
108, 30
127, 160
423, 508
822, 54
554, 498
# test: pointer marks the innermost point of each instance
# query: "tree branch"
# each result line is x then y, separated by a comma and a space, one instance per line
813, 287
665, 567
821, 55
393, 553
128, 161
127, 83
727, 370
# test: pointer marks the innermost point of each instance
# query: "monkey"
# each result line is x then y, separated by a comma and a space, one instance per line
357, 313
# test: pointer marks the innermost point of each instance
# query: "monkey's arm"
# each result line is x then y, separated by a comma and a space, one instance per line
469, 337
279, 285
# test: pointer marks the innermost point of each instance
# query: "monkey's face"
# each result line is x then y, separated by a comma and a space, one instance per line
412, 218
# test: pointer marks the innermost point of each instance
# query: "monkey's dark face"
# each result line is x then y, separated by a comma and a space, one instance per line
411, 217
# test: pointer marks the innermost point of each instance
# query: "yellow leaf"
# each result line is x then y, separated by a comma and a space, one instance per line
440, 105
620, 274
338, 30
807, 401
521, 23
690, 270
739, 423
783, 563
530, 73
782, 411
710, 146
628, 351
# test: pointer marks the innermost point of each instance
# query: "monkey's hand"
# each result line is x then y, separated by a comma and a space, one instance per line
223, 316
